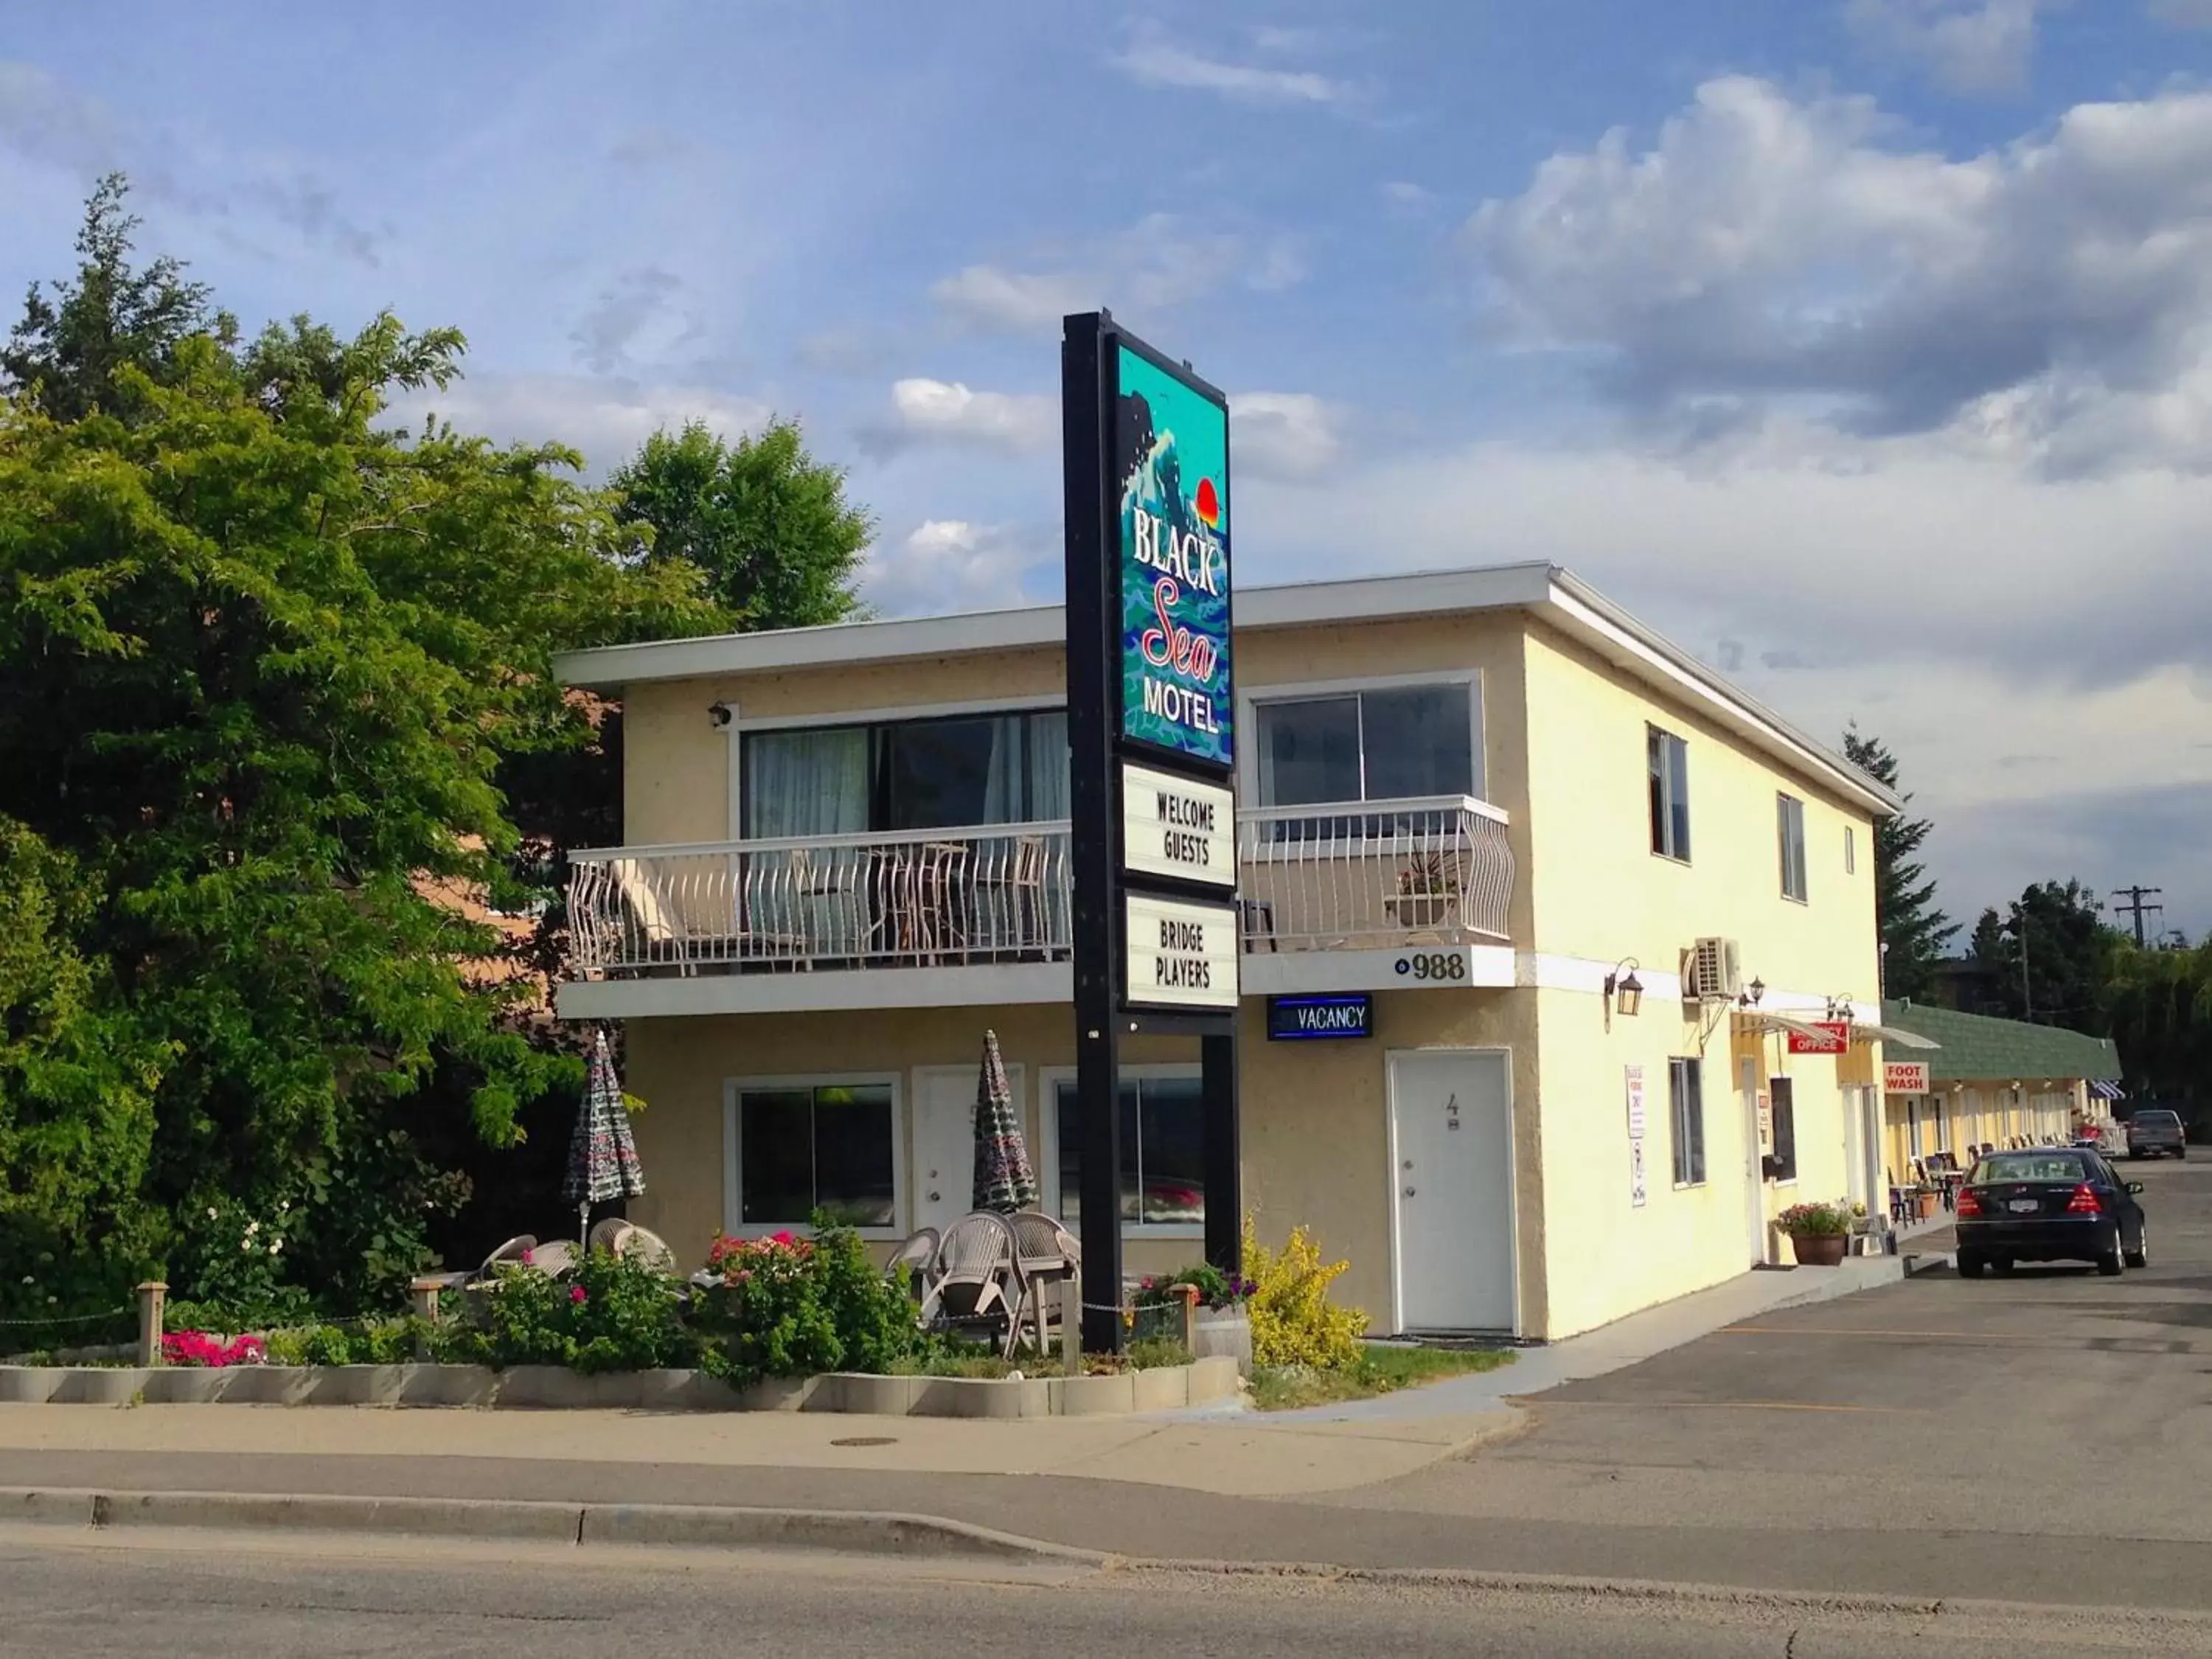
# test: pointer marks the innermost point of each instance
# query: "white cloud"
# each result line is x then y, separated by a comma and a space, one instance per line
1160, 262
1154, 59
1282, 434
2051, 301
1968, 45
607, 419
925, 411
950, 564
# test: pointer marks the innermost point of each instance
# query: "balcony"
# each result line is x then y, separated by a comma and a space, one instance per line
1332, 895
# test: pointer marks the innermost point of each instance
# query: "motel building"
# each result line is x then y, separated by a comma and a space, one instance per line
1988, 1083
1557, 953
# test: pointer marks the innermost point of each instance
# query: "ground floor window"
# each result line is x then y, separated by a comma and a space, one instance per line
802, 1146
1782, 1092
1163, 1149
1685, 1090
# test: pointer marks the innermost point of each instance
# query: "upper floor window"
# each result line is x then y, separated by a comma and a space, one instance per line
937, 774
1669, 764
1397, 743
1790, 823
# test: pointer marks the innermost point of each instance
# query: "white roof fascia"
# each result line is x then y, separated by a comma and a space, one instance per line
1589, 614
612, 666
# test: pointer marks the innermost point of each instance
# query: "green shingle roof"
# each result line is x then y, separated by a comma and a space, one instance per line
1976, 1046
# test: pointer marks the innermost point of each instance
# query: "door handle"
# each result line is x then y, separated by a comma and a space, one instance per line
937, 1198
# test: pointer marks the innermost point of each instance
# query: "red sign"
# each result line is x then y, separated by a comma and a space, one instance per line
1833, 1037
1905, 1077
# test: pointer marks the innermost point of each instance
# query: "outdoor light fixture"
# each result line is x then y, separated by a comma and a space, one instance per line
1752, 995
1623, 991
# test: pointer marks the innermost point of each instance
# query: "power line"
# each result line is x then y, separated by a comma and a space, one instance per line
2135, 907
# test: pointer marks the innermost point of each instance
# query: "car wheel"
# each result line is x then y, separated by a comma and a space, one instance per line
2001, 1263
2110, 1264
2139, 1256
1970, 1267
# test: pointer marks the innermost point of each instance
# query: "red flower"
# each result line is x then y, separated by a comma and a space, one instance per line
577, 1293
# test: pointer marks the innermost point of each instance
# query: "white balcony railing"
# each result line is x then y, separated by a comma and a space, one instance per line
1372, 876
921, 898
1375, 875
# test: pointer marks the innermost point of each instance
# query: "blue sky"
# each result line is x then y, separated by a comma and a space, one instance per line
1864, 346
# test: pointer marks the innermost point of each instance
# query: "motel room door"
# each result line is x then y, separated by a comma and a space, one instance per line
945, 1141
1451, 1191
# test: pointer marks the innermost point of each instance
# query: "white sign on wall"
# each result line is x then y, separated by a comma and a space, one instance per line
1634, 1075
1181, 955
1177, 827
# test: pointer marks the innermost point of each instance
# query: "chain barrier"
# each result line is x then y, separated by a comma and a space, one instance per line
69, 1319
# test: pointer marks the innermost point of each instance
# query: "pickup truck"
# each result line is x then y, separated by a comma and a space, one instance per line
2154, 1132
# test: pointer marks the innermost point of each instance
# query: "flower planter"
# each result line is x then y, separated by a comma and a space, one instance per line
1924, 1204
1223, 1333
1820, 1249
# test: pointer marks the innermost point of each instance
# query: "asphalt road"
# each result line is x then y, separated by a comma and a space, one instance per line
2045, 1438
258, 1599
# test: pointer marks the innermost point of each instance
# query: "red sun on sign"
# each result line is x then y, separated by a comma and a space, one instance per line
1209, 504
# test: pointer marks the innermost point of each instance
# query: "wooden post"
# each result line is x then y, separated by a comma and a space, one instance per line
1071, 1324
1189, 1294
425, 1292
151, 1296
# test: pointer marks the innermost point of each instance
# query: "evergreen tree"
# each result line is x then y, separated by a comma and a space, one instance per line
1914, 933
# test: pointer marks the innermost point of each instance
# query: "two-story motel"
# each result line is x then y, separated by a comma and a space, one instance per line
1489, 798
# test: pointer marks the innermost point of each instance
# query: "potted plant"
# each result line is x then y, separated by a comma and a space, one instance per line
1817, 1232
1428, 890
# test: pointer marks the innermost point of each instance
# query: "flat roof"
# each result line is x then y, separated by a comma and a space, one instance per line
1556, 595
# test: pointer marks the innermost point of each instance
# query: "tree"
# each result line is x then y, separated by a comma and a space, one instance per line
1914, 933
262, 662
2049, 959
768, 523
2159, 1006
67, 353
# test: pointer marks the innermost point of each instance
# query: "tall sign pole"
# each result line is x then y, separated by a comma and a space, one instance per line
1151, 728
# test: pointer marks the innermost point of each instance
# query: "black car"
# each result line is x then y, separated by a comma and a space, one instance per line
2052, 1203
2154, 1132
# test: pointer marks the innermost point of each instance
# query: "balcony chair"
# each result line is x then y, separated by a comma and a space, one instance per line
671, 939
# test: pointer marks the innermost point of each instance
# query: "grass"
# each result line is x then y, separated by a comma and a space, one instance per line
1384, 1368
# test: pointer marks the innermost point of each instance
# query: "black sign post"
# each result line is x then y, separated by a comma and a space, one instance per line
1150, 727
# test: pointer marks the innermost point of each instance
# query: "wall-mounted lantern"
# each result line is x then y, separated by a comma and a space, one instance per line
1756, 990
1624, 992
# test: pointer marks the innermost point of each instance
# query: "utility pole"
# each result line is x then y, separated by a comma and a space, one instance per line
2135, 907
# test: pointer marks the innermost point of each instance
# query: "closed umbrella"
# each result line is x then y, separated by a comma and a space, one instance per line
602, 1156
1003, 1180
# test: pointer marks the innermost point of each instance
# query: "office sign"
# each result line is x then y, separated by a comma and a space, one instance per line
1180, 954
1170, 444
1311, 1018
1905, 1077
1833, 1037
1177, 827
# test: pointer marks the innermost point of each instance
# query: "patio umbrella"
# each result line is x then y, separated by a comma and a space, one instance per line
602, 1156
1003, 1180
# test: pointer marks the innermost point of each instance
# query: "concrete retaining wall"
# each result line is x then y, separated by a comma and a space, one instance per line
1170, 1387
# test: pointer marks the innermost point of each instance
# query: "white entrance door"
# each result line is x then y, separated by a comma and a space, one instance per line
1451, 1156
1754, 1170
945, 1141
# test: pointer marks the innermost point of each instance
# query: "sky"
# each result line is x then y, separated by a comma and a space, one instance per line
1863, 347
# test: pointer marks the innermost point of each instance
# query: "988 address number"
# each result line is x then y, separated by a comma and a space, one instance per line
1434, 965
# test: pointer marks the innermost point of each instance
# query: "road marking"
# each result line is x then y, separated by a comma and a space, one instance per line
1543, 1404
1850, 1330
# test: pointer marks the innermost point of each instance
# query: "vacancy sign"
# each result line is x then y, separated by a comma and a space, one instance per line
1905, 1077
1181, 955
1177, 827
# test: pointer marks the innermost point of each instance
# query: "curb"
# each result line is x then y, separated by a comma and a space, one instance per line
862, 1531
919, 1537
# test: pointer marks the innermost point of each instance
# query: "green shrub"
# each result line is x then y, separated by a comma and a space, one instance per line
791, 1307
1155, 1352
613, 1313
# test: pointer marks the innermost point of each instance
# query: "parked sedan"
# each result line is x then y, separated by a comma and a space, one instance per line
2154, 1132
2053, 1204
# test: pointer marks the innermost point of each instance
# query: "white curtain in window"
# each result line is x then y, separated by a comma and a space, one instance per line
1002, 784
1049, 767
806, 783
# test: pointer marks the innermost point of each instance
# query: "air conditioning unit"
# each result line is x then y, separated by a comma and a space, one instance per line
1711, 971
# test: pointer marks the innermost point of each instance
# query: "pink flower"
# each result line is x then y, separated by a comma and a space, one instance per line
784, 1239
528, 1256
577, 1293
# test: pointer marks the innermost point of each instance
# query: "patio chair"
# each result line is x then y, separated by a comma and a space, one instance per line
627, 1239
557, 1258
1046, 1254
978, 1279
913, 1262
667, 937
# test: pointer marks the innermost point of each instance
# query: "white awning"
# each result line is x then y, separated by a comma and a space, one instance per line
1869, 1033
1766, 1021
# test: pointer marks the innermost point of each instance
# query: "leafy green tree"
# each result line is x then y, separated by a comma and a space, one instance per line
2160, 1008
67, 352
2049, 959
1913, 930
262, 661
767, 522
